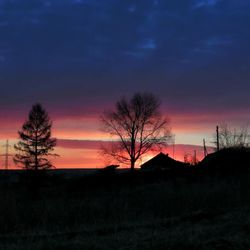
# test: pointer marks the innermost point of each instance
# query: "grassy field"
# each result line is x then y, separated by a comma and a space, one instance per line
126, 212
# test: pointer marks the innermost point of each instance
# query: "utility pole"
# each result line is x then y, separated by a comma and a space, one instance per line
173, 146
217, 138
195, 158
205, 148
6, 155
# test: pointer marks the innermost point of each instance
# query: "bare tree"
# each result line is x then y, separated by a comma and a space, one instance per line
35, 142
229, 137
138, 127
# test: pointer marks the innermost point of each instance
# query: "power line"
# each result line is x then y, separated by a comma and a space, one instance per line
6, 155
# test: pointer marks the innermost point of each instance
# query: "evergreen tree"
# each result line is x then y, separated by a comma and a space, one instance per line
35, 143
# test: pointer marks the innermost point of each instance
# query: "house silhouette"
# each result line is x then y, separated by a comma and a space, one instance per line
162, 162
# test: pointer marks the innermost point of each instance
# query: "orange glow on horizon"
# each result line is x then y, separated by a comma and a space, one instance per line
189, 129
75, 157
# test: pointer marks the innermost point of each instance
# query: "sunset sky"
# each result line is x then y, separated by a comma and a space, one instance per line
77, 57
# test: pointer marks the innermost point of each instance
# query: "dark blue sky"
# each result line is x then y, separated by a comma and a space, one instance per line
78, 56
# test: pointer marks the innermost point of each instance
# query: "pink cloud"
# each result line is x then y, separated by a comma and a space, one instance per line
79, 144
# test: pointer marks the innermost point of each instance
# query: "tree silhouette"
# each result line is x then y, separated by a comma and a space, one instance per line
229, 137
139, 127
35, 142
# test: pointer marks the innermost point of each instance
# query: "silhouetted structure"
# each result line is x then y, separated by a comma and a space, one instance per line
109, 169
217, 138
227, 160
6, 155
204, 148
35, 142
162, 162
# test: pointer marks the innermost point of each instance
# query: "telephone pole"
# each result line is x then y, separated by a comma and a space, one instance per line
173, 146
217, 138
205, 148
195, 157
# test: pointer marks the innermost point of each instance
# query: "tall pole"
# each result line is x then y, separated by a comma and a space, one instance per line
205, 148
6, 155
173, 146
195, 158
217, 138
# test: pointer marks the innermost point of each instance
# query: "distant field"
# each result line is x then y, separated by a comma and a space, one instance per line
67, 173
102, 212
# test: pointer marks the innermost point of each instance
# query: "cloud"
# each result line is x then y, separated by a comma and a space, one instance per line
212, 44
77, 54
148, 44
80, 144
207, 50
180, 149
204, 3
218, 41
132, 8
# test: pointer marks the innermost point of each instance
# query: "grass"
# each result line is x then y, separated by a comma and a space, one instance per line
133, 213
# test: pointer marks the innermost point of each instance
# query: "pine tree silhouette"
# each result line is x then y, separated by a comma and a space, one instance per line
35, 143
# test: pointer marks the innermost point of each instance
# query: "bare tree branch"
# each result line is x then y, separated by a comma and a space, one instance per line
229, 137
139, 126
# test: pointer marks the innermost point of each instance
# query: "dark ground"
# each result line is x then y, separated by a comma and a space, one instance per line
124, 211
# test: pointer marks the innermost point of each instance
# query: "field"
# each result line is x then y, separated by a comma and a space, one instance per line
125, 211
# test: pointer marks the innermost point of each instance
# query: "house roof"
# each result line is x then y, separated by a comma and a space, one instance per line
227, 158
162, 161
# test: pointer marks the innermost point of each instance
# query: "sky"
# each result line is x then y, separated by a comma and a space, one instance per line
78, 57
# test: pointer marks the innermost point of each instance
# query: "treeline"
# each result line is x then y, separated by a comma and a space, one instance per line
136, 123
